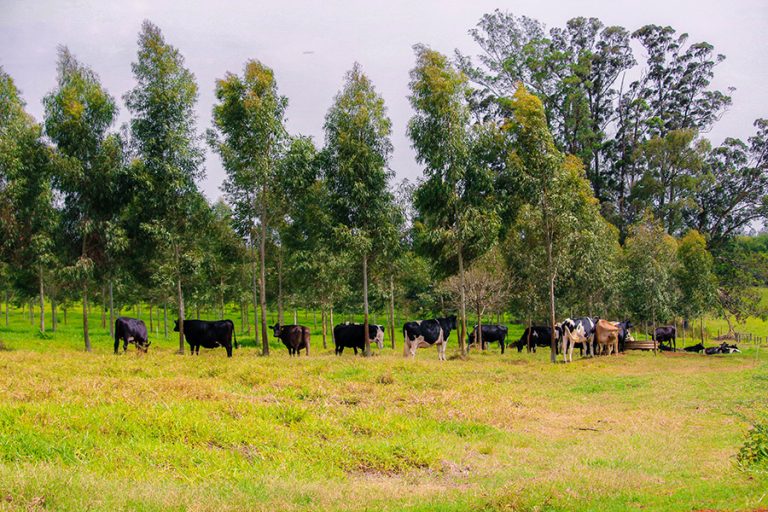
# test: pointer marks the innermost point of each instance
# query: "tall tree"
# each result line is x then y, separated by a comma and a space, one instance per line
695, 276
78, 114
167, 150
249, 135
357, 149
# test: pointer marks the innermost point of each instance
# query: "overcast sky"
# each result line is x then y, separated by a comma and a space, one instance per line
311, 44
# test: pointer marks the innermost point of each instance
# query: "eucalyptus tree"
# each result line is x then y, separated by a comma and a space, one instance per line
78, 114
167, 155
357, 149
249, 135
695, 276
450, 200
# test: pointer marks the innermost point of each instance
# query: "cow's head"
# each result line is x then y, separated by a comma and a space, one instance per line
520, 344
379, 336
276, 330
451, 321
143, 346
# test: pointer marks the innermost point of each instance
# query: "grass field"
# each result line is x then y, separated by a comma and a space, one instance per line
164, 432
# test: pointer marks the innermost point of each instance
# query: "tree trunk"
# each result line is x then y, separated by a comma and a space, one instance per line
103, 307
479, 336
366, 337
151, 319
314, 319
6, 308
221, 299
333, 333
528, 338
280, 287
463, 310
322, 319
551, 271
295, 316
180, 302
85, 319
165, 319
42, 300
254, 286
54, 320
111, 311
701, 324
392, 309
262, 281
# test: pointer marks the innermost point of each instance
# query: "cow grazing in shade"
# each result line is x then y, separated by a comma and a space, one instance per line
573, 331
350, 335
491, 333
131, 330
294, 337
541, 336
607, 337
666, 334
425, 333
208, 334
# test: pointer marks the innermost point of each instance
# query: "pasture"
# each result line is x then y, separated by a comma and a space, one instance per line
164, 432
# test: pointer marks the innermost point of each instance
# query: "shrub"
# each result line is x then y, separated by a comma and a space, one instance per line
754, 452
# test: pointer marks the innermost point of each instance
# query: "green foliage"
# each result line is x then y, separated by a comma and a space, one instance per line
695, 277
754, 453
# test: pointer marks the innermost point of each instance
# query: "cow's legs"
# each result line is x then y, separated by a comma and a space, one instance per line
502, 346
125, 346
117, 344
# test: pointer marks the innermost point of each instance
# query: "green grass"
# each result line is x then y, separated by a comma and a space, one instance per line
167, 432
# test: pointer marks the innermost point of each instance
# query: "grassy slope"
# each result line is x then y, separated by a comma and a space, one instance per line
164, 432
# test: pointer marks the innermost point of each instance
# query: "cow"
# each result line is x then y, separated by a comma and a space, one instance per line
723, 348
607, 336
573, 331
668, 334
699, 347
425, 333
541, 336
350, 335
624, 334
131, 330
294, 337
208, 334
491, 333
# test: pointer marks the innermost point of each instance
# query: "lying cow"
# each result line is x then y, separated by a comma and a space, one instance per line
666, 334
607, 337
576, 331
425, 333
131, 330
541, 336
294, 337
698, 348
724, 348
208, 334
349, 335
491, 333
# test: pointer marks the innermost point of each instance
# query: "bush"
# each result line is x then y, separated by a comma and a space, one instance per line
754, 452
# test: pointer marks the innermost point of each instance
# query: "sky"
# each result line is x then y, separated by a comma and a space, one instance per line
310, 44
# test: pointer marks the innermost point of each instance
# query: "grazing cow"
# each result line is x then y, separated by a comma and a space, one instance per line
607, 336
699, 347
294, 337
724, 348
624, 334
573, 331
208, 334
351, 335
425, 333
541, 336
491, 333
131, 330
668, 334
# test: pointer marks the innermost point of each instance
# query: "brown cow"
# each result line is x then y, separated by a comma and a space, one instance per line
607, 337
294, 337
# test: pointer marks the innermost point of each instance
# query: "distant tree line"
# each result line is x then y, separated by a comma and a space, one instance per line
551, 186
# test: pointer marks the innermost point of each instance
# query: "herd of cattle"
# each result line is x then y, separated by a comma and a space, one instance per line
595, 336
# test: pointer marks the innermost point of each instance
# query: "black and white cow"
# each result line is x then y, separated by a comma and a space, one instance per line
425, 333
724, 348
541, 336
350, 335
131, 330
666, 334
491, 333
208, 334
577, 330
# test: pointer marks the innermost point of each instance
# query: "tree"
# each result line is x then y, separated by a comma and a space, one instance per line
357, 148
455, 211
249, 133
695, 277
168, 155
78, 114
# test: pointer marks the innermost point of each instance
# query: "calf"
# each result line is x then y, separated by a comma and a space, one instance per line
294, 337
425, 333
349, 335
668, 334
491, 333
607, 336
540, 336
131, 330
208, 334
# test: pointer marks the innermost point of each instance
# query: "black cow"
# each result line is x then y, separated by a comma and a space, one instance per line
724, 348
131, 330
294, 337
666, 334
541, 336
491, 333
425, 333
699, 347
208, 334
624, 333
349, 335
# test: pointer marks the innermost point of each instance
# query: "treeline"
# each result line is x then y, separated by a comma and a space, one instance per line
552, 185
